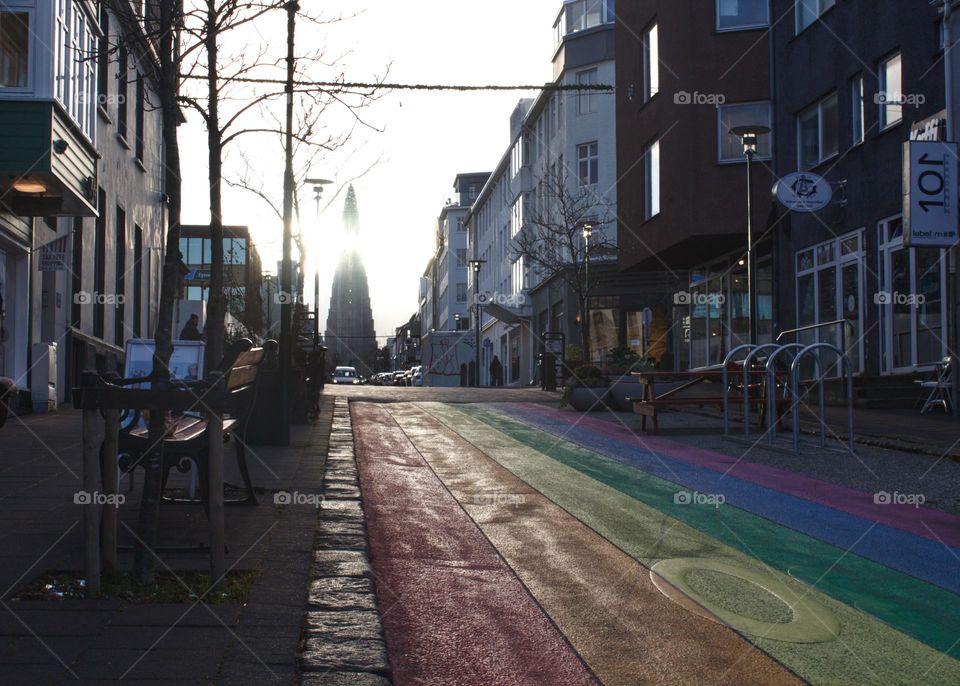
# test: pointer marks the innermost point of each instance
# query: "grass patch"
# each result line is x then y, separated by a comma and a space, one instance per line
185, 587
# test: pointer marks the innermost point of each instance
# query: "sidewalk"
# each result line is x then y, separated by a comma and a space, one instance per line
99, 641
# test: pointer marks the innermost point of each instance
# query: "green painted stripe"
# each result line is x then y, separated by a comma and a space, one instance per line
610, 498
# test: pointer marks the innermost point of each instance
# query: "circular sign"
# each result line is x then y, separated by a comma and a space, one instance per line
803, 192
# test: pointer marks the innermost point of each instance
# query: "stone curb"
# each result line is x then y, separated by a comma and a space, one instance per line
342, 641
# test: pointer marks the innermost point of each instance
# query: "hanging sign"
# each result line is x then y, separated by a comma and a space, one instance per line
53, 256
929, 194
803, 192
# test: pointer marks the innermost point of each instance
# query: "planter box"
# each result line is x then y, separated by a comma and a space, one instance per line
623, 388
589, 399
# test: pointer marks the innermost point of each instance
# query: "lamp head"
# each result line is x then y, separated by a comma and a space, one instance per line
750, 136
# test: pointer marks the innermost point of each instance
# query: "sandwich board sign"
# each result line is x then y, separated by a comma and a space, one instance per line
930, 194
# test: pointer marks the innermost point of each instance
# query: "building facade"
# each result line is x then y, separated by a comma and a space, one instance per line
82, 173
562, 155
242, 273
853, 82
685, 80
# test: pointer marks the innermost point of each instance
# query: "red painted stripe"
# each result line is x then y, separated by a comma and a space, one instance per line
453, 611
935, 525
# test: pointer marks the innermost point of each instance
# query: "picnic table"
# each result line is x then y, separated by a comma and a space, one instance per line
700, 387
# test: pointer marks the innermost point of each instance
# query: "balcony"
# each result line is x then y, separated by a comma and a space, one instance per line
47, 167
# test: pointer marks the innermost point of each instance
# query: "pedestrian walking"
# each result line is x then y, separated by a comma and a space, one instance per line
496, 372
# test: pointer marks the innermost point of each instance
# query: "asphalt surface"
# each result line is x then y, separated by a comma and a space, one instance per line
654, 560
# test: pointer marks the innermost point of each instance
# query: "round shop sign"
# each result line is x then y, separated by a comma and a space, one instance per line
803, 192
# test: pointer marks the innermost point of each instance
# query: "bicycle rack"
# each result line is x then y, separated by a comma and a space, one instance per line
746, 386
795, 397
726, 389
772, 383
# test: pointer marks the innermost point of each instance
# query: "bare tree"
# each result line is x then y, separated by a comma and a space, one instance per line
552, 242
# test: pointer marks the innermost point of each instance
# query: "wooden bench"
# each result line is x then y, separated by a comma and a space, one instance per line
186, 440
700, 388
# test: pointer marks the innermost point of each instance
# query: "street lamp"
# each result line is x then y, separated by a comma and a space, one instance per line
587, 233
475, 265
318, 185
750, 137
456, 318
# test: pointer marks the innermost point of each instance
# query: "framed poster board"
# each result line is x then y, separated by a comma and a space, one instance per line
186, 363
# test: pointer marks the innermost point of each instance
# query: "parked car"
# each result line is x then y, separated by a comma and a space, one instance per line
417, 376
346, 375
398, 379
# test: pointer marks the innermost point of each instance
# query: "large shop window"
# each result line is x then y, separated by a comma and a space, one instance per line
719, 309
604, 327
911, 303
14, 50
830, 288
76, 65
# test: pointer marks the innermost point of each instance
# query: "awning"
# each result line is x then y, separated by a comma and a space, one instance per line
508, 315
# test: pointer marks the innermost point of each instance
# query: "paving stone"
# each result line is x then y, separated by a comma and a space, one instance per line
340, 563
341, 584
334, 492
341, 600
337, 528
362, 656
344, 624
344, 679
342, 543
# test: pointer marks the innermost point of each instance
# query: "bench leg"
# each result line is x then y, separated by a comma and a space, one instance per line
245, 473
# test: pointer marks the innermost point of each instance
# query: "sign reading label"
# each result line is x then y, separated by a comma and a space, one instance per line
930, 194
803, 192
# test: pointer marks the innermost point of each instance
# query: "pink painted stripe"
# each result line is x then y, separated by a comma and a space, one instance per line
453, 611
935, 525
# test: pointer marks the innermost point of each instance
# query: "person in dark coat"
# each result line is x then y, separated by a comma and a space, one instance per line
496, 372
191, 330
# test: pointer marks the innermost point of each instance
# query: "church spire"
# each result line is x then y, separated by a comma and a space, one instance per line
351, 215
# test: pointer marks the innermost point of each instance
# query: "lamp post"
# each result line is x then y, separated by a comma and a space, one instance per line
318, 185
456, 318
587, 233
750, 137
475, 265
286, 280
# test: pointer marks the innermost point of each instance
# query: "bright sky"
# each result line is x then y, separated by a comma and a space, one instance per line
428, 137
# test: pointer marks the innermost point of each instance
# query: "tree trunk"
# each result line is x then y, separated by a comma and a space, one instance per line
215, 303
169, 22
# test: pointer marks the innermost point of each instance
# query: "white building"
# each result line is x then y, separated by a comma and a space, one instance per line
82, 157
564, 135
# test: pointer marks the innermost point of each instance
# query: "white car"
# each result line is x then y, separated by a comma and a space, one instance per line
346, 375
416, 378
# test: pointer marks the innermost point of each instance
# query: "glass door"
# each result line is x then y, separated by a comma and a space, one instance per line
911, 303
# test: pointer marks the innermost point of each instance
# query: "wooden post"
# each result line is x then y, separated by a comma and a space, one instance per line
88, 498
215, 490
108, 471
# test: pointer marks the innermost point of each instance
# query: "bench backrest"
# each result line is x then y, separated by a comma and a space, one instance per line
243, 372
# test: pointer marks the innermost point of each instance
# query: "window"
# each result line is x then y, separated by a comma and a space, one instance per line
809, 10
234, 250
743, 114
120, 277
103, 58
587, 100
651, 159
588, 163
461, 258
461, 292
651, 62
460, 225
99, 263
857, 111
77, 272
818, 132
519, 276
735, 15
139, 118
137, 281
516, 216
890, 97
585, 14
14, 49
122, 66
75, 80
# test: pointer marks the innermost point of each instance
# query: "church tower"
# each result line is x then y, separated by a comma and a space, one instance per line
350, 336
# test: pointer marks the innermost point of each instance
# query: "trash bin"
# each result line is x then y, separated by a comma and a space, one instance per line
548, 371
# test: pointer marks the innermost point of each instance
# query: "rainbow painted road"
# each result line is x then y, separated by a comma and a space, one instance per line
512, 546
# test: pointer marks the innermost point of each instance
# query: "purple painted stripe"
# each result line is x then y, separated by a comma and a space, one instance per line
933, 524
